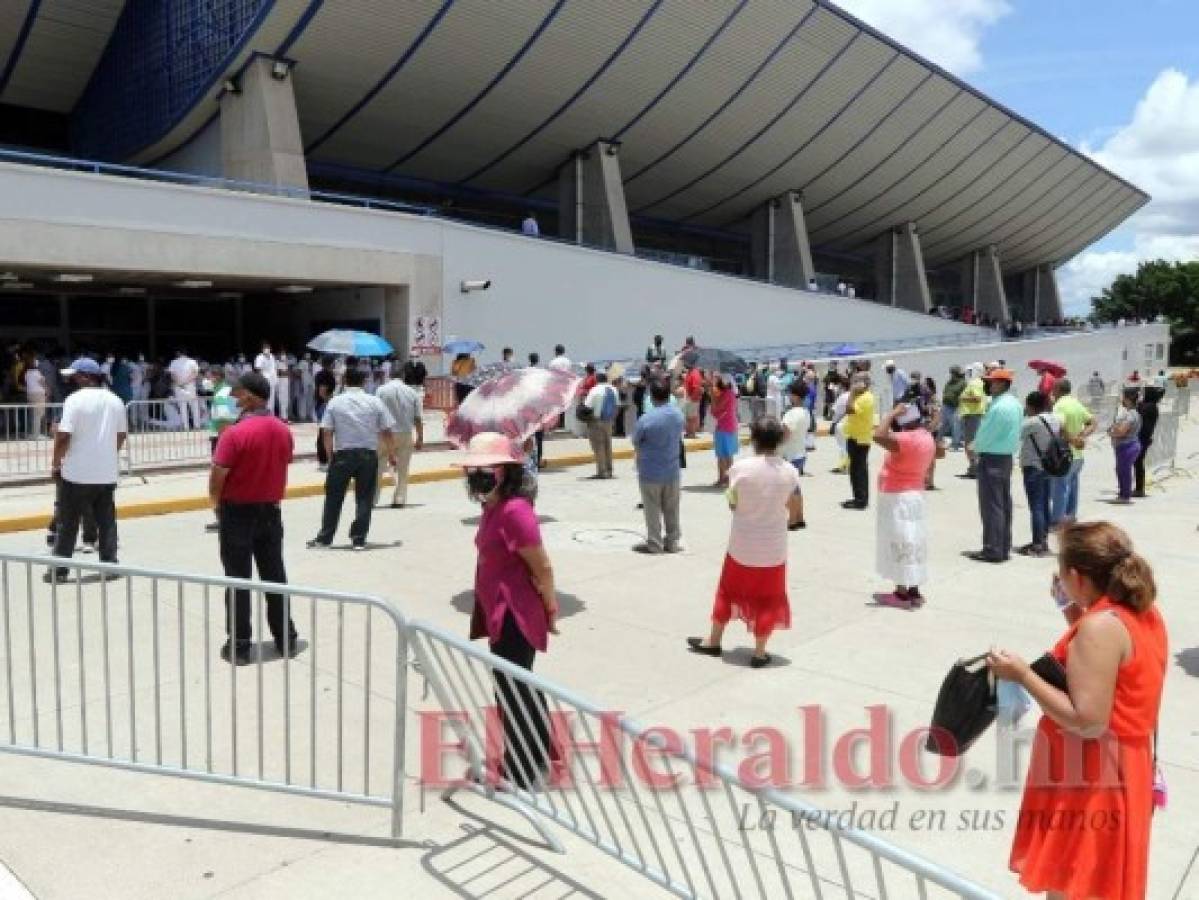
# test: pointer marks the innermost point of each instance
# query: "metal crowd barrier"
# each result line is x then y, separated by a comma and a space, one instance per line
167, 431
119, 667
27, 439
692, 840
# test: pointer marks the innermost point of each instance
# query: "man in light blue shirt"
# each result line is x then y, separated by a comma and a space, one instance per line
656, 440
997, 442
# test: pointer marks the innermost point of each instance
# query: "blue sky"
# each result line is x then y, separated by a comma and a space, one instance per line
1119, 80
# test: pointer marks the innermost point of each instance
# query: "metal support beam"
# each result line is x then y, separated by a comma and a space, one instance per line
899, 269
591, 201
779, 247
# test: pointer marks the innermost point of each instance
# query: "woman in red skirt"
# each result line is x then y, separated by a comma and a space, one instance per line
764, 497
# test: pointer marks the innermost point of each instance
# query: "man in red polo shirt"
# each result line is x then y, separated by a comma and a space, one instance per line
693, 391
246, 486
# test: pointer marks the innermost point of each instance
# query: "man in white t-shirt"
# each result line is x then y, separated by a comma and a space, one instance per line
561, 362
86, 462
185, 372
797, 422
264, 365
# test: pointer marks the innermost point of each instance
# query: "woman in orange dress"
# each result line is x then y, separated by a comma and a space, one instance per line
1083, 829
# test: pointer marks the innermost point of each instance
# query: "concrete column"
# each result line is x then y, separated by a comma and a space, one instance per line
1049, 300
591, 201
395, 319
899, 270
780, 251
260, 130
987, 289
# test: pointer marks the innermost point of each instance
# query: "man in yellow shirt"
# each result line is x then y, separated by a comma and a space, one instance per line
971, 407
859, 431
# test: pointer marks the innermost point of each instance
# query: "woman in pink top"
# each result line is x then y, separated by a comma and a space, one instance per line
724, 411
515, 604
902, 539
764, 496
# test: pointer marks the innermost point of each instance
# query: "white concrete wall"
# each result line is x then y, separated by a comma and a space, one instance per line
1112, 352
599, 304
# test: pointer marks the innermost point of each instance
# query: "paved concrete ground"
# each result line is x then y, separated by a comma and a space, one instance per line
71, 830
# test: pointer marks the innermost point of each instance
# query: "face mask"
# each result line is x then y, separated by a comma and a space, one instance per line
481, 482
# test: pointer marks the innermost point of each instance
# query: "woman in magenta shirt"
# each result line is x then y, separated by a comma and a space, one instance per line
902, 541
515, 604
724, 411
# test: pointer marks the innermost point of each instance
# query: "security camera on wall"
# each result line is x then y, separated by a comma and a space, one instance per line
477, 285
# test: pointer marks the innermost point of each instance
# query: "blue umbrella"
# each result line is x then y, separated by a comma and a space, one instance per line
339, 342
846, 350
462, 345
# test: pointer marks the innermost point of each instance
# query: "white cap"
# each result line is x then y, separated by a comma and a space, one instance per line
889, 364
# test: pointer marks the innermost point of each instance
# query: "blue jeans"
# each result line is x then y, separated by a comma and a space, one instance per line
1063, 496
1036, 488
951, 426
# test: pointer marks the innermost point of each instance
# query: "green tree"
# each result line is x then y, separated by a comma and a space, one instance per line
1159, 288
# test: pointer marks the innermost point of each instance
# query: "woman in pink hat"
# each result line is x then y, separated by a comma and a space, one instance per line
515, 604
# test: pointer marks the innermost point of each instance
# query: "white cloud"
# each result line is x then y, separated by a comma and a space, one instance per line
1159, 152
945, 31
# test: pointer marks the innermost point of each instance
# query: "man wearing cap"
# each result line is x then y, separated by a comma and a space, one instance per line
86, 462
971, 406
353, 428
245, 486
996, 443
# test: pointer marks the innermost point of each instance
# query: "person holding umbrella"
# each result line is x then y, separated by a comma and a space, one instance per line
724, 411
516, 606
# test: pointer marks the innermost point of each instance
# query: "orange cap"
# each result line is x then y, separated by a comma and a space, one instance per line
999, 375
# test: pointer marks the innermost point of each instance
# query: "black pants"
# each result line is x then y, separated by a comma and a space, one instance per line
462, 391
995, 503
91, 533
539, 439
362, 466
522, 710
252, 534
859, 472
75, 501
1139, 466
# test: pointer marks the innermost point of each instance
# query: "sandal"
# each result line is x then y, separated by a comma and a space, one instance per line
696, 645
758, 662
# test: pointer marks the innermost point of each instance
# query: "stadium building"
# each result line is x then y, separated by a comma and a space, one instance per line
717, 167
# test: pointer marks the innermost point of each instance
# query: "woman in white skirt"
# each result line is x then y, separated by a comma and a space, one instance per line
902, 540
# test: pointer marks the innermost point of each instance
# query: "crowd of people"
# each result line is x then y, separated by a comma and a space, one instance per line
1112, 654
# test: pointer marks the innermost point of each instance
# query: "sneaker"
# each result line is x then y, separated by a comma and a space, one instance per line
915, 597
242, 656
57, 576
673, 548
88, 548
314, 544
357, 547
293, 647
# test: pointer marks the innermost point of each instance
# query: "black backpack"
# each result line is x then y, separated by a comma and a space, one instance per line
1057, 458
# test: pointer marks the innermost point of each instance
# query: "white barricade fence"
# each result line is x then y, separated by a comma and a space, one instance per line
167, 431
120, 667
694, 828
27, 439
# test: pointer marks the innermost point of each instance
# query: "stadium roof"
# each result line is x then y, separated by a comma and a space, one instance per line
718, 105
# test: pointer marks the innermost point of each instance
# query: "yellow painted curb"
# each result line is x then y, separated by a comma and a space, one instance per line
169, 505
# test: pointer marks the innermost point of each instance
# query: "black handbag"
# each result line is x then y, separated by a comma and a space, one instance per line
965, 707
1051, 671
